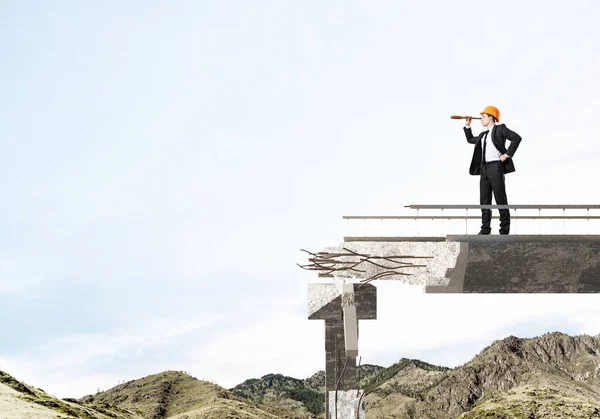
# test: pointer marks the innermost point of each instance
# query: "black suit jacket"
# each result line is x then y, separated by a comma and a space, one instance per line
499, 136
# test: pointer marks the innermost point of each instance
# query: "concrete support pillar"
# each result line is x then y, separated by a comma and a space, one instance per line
325, 303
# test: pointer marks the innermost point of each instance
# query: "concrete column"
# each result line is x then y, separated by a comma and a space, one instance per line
325, 303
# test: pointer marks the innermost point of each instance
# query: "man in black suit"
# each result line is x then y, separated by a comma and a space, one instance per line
492, 160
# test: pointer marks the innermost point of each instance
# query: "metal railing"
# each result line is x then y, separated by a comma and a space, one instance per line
467, 217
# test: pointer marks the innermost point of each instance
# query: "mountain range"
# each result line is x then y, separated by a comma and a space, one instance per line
551, 376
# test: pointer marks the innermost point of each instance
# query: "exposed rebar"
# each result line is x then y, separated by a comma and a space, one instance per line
327, 263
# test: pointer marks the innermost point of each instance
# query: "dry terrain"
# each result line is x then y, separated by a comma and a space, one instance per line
552, 376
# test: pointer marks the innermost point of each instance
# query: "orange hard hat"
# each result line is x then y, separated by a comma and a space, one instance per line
491, 110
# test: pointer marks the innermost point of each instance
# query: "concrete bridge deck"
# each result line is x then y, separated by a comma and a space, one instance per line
492, 264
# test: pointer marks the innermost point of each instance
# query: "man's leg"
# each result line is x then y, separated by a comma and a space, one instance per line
485, 198
499, 187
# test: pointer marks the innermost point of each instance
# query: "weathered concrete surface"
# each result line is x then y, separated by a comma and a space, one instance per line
436, 270
350, 320
526, 264
491, 264
325, 303
347, 402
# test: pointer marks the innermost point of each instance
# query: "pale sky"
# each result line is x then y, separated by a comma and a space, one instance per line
162, 163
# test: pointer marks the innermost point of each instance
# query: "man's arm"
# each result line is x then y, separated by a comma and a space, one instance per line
468, 133
515, 140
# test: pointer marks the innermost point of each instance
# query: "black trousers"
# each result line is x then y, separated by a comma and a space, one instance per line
492, 180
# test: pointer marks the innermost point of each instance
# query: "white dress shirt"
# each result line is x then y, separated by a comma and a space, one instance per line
491, 152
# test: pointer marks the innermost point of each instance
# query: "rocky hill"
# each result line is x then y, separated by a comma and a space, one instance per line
177, 395
171, 394
552, 376
19, 400
306, 396
286, 392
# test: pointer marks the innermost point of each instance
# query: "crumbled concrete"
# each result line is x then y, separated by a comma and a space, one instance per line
491, 264
347, 403
435, 272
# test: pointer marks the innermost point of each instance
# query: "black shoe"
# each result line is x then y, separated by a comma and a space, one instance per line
483, 233
504, 233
